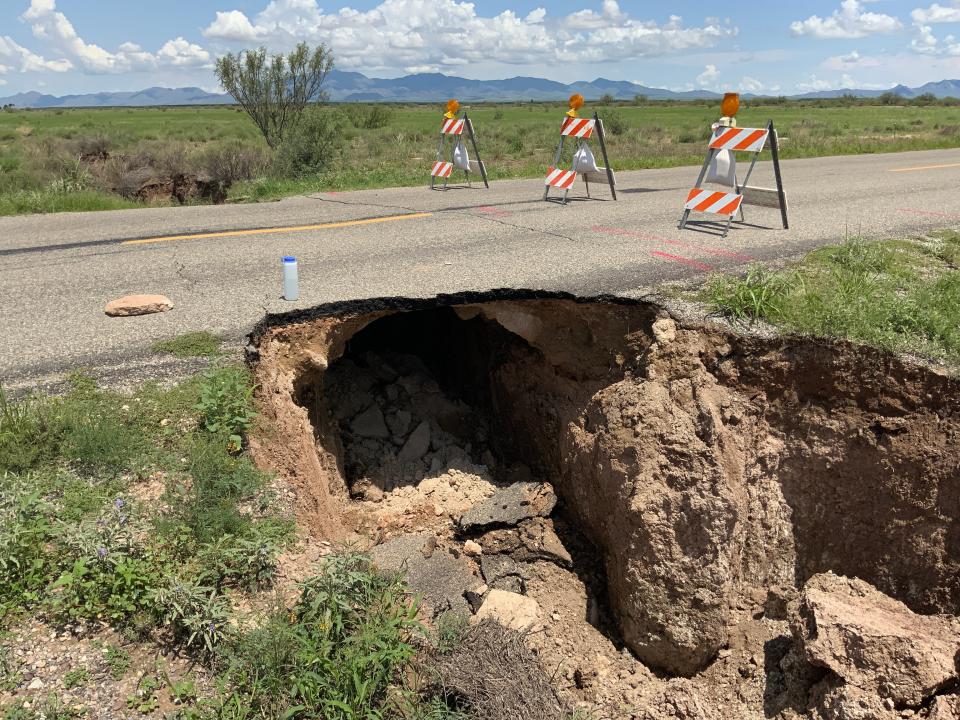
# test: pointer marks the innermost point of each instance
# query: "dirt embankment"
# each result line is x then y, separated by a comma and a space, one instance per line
701, 480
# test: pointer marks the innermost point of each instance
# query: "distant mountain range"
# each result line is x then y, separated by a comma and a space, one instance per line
433, 87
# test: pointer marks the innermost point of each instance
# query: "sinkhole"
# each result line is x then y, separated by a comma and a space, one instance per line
670, 471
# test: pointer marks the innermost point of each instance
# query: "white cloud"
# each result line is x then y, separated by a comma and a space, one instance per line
23, 60
926, 43
709, 76
851, 21
54, 29
182, 54
851, 60
815, 84
935, 14
417, 69
410, 33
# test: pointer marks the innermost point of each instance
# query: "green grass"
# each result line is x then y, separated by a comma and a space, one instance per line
77, 546
39, 148
901, 295
192, 344
34, 201
76, 543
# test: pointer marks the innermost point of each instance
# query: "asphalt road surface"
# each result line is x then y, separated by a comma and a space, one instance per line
221, 265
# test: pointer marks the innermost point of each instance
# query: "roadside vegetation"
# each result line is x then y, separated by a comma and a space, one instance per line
902, 295
141, 517
82, 159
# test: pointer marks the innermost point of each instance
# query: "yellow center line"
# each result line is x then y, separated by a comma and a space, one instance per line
271, 231
926, 167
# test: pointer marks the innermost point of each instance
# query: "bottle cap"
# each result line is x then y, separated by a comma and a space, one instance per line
289, 259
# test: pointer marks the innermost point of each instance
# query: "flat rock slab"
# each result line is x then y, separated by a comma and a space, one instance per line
510, 506
440, 579
512, 610
138, 305
874, 643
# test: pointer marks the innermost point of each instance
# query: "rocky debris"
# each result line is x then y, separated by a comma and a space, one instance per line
398, 427
531, 541
472, 548
875, 644
509, 506
432, 572
502, 572
417, 444
945, 707
777, 604
512, 610
129, 305
370, 424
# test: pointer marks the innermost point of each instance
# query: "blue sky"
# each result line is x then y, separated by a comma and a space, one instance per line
78, 46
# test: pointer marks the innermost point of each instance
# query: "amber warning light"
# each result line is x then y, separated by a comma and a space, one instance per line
729, 107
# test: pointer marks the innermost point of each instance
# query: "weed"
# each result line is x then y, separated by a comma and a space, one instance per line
25, 433
117, 660
226, 403
76, 677
196, 615
334, 655
757, 295
206, 504
10, 676
192, 344
144, 698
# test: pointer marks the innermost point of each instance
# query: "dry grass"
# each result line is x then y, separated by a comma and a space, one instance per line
494, 675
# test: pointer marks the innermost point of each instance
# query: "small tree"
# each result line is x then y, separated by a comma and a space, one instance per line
274, 91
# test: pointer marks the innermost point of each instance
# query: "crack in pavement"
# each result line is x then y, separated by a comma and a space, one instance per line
457, 211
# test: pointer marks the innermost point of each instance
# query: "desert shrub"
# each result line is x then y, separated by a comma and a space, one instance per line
311, 147
92, 147
171, 160
370, 117
230, 161
614, 123
121, 175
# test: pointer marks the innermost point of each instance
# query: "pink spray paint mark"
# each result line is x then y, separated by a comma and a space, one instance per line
928, 213
682, 260
496, 212
720, 252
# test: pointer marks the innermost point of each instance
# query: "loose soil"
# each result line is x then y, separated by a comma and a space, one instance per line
661, 490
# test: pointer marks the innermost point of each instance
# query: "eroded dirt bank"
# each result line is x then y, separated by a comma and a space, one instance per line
650, 498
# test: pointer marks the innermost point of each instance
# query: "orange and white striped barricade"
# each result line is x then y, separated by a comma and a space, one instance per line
454, 127
727, 201
581, 130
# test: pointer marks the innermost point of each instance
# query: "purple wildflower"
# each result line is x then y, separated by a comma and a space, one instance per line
101, 552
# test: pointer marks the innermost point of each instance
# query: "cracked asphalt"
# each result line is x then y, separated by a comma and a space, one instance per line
58, 271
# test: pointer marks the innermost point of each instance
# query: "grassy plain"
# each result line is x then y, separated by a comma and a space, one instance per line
40, 170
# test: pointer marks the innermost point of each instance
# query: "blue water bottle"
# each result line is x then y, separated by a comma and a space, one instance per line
291, 280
